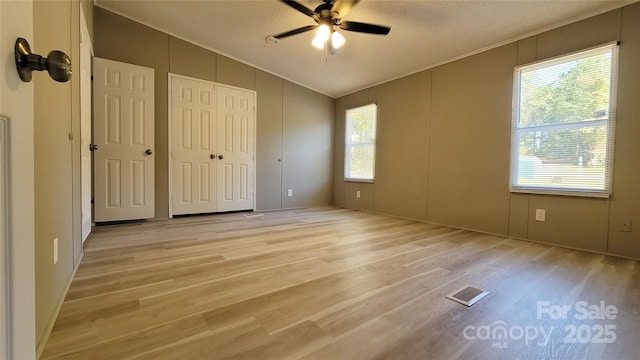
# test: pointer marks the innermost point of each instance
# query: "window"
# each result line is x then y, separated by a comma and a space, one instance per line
360, 144
563, 124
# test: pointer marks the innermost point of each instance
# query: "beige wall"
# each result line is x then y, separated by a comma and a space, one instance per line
444, 138
470, 132
269, 142
53, 165
87, 8
294, 124
56, 160
402, 148
625, 203
307, 146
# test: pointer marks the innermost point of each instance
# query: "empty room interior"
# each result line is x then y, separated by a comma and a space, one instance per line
269, 180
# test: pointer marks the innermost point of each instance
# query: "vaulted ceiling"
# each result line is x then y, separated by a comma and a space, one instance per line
424, 33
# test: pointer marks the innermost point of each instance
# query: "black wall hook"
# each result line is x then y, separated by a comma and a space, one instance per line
56, 63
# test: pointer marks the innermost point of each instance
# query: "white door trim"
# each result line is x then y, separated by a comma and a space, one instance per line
169, 138
5, 301
86, 127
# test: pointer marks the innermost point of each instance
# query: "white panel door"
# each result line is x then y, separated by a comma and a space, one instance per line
236, 134
85, 127
193, 156
123, 132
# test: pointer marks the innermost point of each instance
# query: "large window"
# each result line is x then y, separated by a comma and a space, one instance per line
360, 144
563, 124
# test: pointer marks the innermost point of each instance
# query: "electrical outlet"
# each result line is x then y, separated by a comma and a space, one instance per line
541, 214
290, 192
625, 225
55, 251
358, 194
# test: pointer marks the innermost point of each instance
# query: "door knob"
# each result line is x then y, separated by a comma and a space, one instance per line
148, 152
220, 157
212, 156
93, 147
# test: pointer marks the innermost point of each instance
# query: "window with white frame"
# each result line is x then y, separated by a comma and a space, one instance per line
563, 124
360, 143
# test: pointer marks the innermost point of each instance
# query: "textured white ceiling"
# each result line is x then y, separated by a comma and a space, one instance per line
423, 33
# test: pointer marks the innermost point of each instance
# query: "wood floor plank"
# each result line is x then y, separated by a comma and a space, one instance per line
209, 345
330, 283
142, 341
380, 303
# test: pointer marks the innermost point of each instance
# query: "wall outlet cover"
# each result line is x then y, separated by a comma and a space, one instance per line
541, 215
625, 225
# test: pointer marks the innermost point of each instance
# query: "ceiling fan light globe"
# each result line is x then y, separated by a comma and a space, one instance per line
337, 39
318, 42
324, 32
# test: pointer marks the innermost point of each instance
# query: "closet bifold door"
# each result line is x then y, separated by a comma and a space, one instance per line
193, 144
236, 144
212, 142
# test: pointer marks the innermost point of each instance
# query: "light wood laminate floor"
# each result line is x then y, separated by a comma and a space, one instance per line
330, 283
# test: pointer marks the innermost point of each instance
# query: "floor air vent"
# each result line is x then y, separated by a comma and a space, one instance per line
467, 295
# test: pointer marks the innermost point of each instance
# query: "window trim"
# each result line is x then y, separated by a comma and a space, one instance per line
347, 146
614, 47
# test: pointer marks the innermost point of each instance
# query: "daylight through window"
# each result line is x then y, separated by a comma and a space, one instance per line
563, 121
360, 143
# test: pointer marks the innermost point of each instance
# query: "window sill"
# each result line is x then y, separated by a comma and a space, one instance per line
359, 181
562, 192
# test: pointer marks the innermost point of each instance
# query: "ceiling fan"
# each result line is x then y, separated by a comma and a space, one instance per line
328, 17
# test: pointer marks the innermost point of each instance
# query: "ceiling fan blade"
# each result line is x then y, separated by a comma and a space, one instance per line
295, 31
296, 5
364, 28
342, 7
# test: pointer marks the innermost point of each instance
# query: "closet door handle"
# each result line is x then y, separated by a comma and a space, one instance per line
212, 156
148, 152
220, 157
